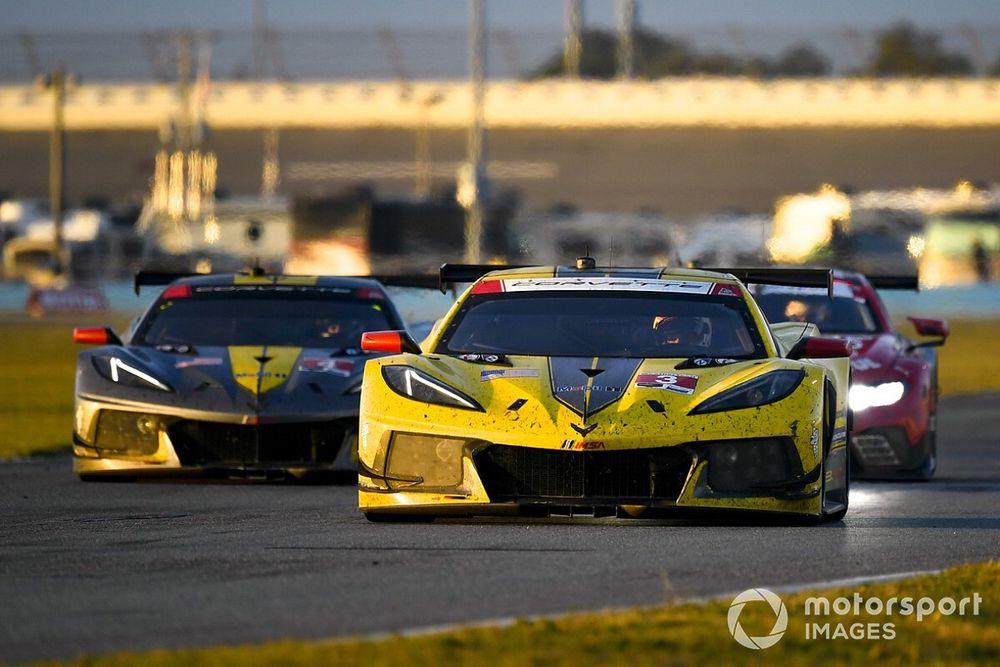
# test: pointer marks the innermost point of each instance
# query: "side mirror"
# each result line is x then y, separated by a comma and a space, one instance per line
96, 336
394, 342
820, 347
928, 327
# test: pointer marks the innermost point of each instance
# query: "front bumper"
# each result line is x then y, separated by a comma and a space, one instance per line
885, 452
111, 439
893, 440
454, 477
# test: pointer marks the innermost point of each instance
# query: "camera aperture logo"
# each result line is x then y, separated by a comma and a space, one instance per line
780, 620
852, 618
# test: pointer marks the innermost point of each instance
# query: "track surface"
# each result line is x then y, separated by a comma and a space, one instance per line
98, 568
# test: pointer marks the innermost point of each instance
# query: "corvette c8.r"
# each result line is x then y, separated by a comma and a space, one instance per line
248, 374
894, 387
599, 391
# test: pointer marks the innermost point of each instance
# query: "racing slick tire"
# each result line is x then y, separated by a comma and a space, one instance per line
925, 471
928, 443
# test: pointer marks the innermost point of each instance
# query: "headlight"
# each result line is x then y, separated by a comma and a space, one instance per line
767, 388
420, 386
116, 370
862, 397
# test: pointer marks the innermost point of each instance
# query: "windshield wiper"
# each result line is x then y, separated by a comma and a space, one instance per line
709, 362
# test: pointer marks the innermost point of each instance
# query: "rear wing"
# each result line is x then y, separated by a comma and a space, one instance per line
895, 282
418, 280
147, 278
160, 278
469, 273
822, 278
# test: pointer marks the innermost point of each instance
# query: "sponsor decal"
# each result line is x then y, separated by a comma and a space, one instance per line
675, 382
840, 435
240, 279
342, 367
856, 342
270, 288
864, 363
65, 300
582, 445
260, 369
508, 373
199, 361
607, 284
575, 385
583, 387
724, 289
840, 288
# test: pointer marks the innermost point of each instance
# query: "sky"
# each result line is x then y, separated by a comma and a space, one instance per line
662, 15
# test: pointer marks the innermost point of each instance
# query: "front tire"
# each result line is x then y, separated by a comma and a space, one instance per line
829, 427
928, 443
925, 471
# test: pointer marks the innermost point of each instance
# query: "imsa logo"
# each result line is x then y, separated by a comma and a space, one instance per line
780, 621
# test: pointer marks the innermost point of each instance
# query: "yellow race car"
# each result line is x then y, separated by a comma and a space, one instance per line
586, 391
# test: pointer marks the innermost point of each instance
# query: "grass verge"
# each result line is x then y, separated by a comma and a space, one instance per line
38, 360
37, 363
686, 634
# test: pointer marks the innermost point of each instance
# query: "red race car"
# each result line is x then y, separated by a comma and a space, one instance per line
894, 390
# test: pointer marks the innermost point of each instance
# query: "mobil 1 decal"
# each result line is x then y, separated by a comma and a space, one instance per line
587, 384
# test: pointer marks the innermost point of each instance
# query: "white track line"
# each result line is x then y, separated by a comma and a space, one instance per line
506, 622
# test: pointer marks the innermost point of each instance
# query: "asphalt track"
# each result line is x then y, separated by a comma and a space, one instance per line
99, 568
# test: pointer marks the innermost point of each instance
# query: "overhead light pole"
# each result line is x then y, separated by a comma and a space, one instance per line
473, 178
573, 45
56, 82
626, 44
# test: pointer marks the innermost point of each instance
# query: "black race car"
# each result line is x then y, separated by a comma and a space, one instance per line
237, 373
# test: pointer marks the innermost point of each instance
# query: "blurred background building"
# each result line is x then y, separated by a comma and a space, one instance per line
335, 137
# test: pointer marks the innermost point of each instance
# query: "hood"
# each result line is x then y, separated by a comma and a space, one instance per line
254, 381
592, 397
874, 355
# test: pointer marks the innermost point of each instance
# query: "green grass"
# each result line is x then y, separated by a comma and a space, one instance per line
37, 362
970, 360
37, 359
687, 634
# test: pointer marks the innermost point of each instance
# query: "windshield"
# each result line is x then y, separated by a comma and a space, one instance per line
254, 319
841, 314
589, 325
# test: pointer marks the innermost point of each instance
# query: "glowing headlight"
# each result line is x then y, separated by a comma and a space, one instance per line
116, 370
420, 386
768, 388
863, 397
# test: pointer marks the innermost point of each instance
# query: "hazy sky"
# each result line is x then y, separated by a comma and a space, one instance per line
662, 15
